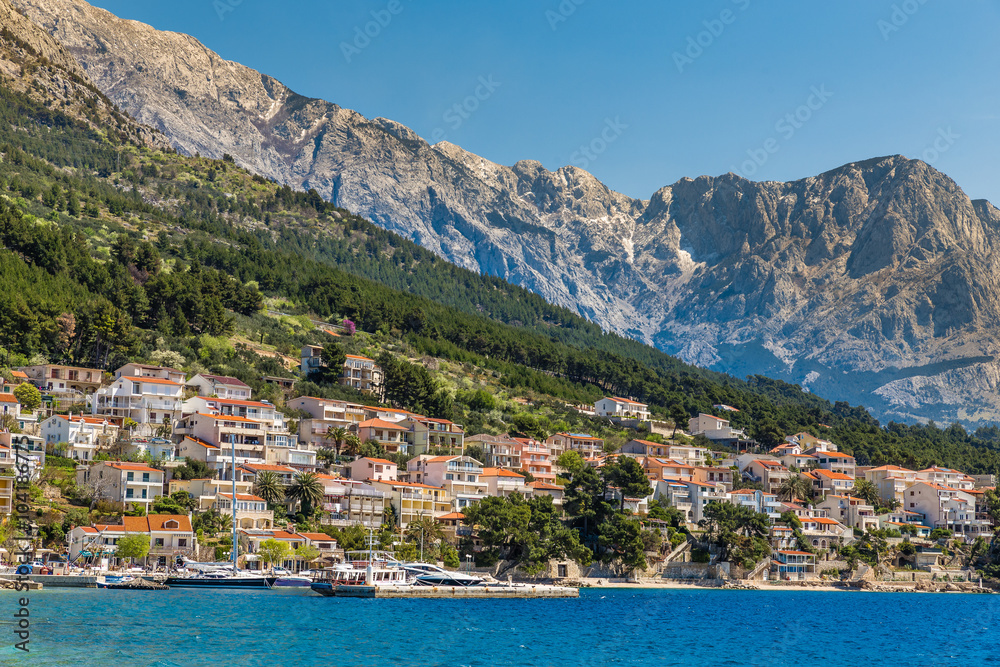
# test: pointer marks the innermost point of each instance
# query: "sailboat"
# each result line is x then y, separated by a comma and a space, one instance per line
220, 576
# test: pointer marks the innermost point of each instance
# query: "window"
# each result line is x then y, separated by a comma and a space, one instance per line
144, 493
182, 542
136, 388
128, 493
145, 476
159, 542
130, 476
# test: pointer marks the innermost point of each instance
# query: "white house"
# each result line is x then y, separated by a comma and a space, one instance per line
623, 408
130, 483
945, 507
221, 386
148, 395
78, 437
375, 469
713, 428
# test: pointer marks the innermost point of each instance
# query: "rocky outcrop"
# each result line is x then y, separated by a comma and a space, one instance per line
875, 282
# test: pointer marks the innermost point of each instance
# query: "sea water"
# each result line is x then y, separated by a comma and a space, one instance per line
603, 627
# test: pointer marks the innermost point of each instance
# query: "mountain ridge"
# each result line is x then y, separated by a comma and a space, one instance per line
865, 270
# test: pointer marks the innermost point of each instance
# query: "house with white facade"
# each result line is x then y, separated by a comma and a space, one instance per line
621, 408
117, 481
221, 386
149, 395
502, 483
460, 476
945, 507
78, 437
713, 428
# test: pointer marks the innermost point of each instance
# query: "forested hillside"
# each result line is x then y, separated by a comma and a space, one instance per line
113, 251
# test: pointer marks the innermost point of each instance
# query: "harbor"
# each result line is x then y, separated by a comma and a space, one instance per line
457, 592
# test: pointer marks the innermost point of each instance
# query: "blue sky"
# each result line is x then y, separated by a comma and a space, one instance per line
640, 93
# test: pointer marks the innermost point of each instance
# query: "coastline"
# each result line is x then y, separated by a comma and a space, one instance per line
797, 586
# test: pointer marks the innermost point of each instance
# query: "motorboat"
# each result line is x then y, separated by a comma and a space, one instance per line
107, 580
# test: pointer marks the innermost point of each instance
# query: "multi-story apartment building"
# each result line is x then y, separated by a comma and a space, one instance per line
391, 436
170, 537
892, 481
621, 408
425, 434
501, 451
78, 437
223, 433
66, 384
945, 507
412, 501
458, 475
501, 482
536, 458
826, 481
850, 511
221, 386
588, 445
359, 372
834, 461
149, 395
713, 428
366, 468
769, 473
129, 483
326, 414
251, 510
206, 491
349, 501
657, 469
955, 479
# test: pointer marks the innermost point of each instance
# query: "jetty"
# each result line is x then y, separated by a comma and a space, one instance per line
465, 592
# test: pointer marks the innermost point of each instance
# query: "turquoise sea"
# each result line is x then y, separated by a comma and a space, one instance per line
603, 627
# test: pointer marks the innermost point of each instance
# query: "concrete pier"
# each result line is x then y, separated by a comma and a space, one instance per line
515, 591
60, 581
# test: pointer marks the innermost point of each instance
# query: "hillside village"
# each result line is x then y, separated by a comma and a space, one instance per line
150, 450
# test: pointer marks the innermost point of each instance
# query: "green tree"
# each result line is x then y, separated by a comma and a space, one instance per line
621, 542
134, 546
307, 490
28, 396
796, 486
626, 475
273, 552
867, 491
268, 486
352, 445
307, 553
738, 531
337, 435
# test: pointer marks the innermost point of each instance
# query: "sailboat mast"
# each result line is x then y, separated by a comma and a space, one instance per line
235, 549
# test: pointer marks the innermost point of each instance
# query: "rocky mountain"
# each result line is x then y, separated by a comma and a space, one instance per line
875, 282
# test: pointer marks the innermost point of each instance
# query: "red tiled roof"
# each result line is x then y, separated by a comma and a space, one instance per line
8, 398
138, 467
500, 472
318, 537
381, 461
380, 423
545, 485
150, 380
261, 467
242, 496
452, 516
226, 380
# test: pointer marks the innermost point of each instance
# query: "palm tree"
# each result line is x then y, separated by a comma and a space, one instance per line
307, 490
795, 486
336, 434
352, 445
268, 486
